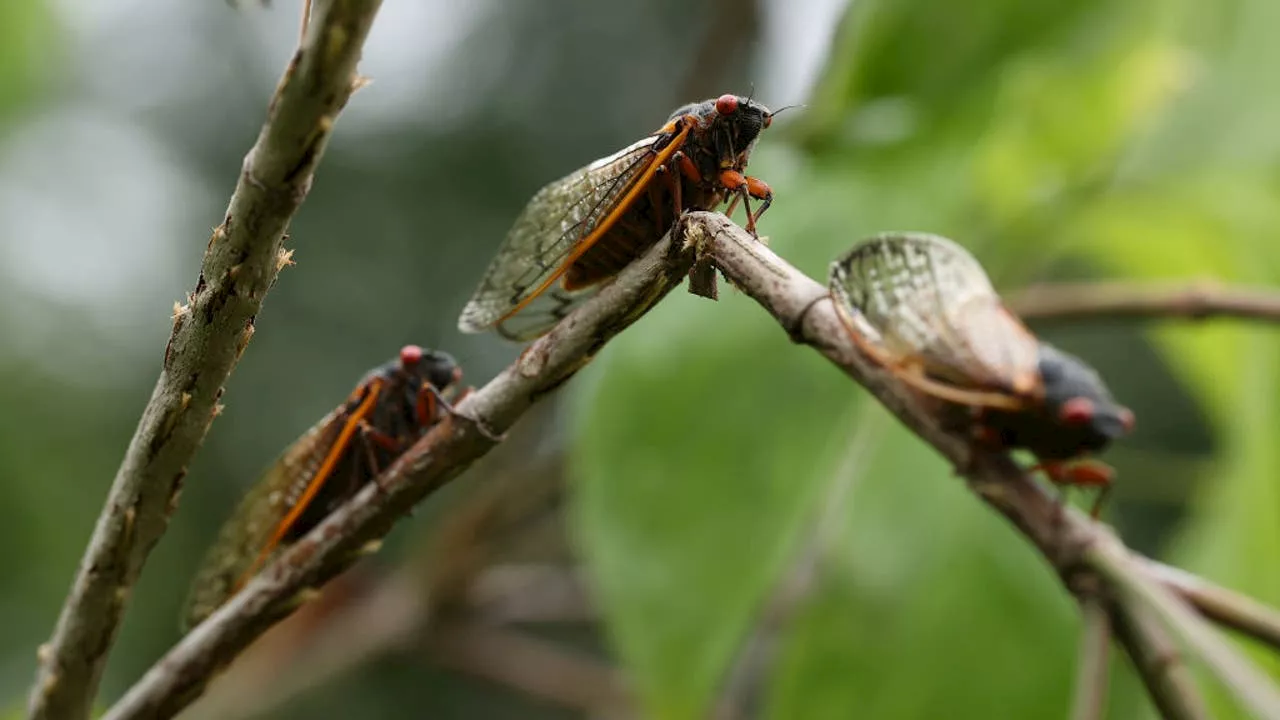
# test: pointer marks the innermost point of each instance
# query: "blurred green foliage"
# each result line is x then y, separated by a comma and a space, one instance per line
1106, 138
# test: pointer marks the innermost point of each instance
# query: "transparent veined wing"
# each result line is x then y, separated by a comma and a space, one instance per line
250, 528
924, 297
519, 292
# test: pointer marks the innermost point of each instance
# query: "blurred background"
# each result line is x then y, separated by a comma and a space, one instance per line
708, 519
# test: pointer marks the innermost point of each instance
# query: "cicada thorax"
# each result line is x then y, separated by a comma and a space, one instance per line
390, 408
714, 137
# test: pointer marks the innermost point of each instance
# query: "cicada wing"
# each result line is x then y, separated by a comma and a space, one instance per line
543, 312
1001, 344
549, 234
249, 529
927, 298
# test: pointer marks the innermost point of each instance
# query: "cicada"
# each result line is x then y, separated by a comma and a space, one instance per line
581, 230
922, 307
390, 408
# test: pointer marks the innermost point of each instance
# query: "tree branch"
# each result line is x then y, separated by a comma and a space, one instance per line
530, 665
1093, 673
210, 333
448, 449
1159, 664
1068, 302
1079, 549
1251, 686
1221, 605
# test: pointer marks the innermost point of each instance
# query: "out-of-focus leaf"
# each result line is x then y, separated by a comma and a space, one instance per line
693, 470
26, 34
1061, 122
928, 602
940, 59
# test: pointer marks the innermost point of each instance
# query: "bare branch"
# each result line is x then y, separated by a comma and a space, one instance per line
1251, 686
1091, 301
1221, 605
531, 594
444, 453
1159, 664
1094, 672
532, 666
210, 332
387, 618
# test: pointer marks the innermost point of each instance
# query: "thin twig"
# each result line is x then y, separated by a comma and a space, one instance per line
1093, 668
1195, 301
448, 449
306, 21
393, 613
1159, 664
533, 666
210, 332
1251, 686
1240, 613
531, 594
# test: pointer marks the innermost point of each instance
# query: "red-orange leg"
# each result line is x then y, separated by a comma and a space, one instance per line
687, 168
1082, 474
761, 191
742, 188
370, 436
680, 165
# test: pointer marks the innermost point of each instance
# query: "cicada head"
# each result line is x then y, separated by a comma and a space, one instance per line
1074, 416
728, 126
432, 366
1075, 396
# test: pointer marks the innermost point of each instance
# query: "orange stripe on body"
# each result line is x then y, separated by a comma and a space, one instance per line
585, 244
317, 481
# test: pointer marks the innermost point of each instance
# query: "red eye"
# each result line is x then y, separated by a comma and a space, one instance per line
1126, 419
727, 104
1077, 411
410, 355
768, 120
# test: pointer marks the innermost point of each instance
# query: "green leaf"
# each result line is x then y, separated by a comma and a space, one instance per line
693, 470
927, 601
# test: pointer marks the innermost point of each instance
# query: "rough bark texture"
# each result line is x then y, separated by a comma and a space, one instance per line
210, 332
